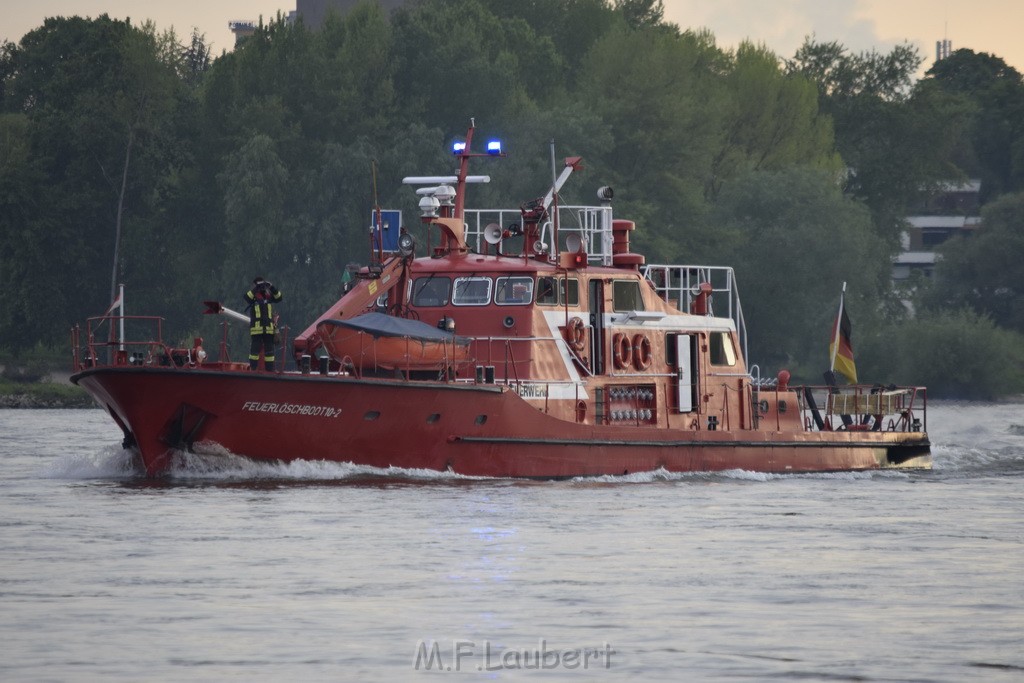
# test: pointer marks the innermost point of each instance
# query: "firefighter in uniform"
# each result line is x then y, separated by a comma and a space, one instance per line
261, 299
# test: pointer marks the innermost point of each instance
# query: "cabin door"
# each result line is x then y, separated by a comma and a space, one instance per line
686, 377
596, 302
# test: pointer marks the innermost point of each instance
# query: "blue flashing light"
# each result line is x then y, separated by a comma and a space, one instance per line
459, 147
494, 147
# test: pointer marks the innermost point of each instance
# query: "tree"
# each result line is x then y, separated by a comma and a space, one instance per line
479, 64
896, 139
21, 215
571, 26
641, 13
659, 97
793, 239
140, 104
996, 91
985, 271
842, 76
90, 94
770, 121
956, 353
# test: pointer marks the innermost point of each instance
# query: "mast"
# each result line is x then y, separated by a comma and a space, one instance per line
460, 187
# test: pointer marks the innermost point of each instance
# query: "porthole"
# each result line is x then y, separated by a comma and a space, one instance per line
433, 417
481, 419
371, 415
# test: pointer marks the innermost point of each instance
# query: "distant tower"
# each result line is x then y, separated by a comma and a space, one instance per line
242, 29
942, 49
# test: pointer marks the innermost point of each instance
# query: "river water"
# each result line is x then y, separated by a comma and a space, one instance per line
315, 572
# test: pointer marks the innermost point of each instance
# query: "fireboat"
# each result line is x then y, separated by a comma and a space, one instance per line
522, 343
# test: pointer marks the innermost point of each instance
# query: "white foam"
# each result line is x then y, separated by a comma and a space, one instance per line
111, 462
992, 455
213, 462
662, 474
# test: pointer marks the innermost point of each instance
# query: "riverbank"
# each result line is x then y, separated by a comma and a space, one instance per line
43, 395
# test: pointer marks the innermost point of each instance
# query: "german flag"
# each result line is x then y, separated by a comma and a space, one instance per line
840, 349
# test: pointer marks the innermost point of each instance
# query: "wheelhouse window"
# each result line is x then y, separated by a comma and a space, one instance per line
721, 348
554, 290
472, 291
513, 291
626, 296
431, 291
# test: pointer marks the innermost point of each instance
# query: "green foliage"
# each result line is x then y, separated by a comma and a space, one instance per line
34, 364
842, 76
956, 354
640, 14
793, 239
38, 394
664, 148
770, 121
896, 138
572, 27
457, 60
99, 108
985, 272
996, 91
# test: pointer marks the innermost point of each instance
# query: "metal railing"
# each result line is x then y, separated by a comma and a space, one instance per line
680, 286
863, 407
593, 224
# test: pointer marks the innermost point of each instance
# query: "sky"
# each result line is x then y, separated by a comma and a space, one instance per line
992, 26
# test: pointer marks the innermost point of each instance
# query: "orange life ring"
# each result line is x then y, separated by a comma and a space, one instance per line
574, 333
622, 350
641, 352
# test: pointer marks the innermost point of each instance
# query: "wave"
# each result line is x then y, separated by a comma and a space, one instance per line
111, 462
992, 457
663, 475
221, 465
214, 463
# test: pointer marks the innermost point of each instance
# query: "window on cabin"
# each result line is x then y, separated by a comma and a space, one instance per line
472, 291
431, 291
572, 296
513, 291
722, 351
546, 291
626, 296
555, 290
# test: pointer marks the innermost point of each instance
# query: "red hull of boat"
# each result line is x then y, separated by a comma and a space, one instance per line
481, 430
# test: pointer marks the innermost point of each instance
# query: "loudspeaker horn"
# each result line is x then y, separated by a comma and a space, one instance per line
492, 233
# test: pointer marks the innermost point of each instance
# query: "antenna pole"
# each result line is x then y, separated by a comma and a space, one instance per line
554, 197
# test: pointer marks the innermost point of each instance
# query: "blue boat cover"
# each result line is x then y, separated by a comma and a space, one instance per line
382, 325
